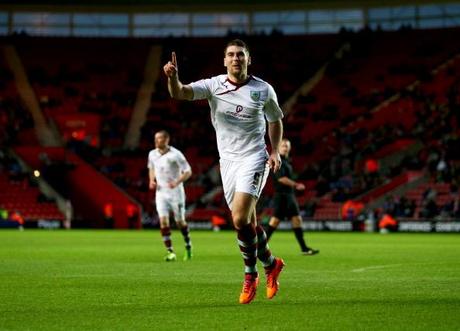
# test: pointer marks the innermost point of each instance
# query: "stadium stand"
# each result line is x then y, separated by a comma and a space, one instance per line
20, 194
373, 103
371, 132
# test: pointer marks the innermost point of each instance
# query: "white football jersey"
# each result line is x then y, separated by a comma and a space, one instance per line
238, 114
168, 167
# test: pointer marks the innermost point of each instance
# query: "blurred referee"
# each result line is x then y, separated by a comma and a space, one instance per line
285, 202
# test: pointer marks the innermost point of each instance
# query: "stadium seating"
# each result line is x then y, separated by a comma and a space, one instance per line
73, 76
352, 118
22, 197
441, 192
361, 108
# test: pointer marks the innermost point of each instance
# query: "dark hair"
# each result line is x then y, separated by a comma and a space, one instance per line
236, 42
164, 133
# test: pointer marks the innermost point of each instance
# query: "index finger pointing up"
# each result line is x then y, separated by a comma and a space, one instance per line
173, 59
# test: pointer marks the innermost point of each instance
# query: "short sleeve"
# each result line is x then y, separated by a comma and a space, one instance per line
184, 166
201, 89
273, 111
150, 164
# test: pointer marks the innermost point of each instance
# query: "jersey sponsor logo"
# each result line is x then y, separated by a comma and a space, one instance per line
255, 95
237, 113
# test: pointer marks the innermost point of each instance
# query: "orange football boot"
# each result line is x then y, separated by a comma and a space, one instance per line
249, 288
272, 277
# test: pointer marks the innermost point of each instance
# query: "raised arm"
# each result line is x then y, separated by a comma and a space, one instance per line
176, 89
275, 133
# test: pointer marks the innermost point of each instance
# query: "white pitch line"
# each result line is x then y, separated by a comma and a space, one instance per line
375, 267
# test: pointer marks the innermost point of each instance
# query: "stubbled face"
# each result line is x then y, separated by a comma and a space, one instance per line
285, 148
161, 141
236, 61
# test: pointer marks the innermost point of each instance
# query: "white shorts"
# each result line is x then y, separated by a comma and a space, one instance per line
247, 176
167, 203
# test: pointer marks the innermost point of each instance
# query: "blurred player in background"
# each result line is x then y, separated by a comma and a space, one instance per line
240, 106
168, 170
285, 201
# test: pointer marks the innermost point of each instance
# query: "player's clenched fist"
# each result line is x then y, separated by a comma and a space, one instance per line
170, 68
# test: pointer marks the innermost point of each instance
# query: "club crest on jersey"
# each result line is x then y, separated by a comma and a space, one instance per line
255, 95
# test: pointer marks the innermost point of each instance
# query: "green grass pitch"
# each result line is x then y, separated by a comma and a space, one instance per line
117, 280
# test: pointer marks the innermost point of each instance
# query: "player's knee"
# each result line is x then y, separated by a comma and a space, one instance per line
240, 220
164, 222
181, 223
296, 222
274, 222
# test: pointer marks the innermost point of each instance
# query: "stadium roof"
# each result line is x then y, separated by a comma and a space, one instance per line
187, 5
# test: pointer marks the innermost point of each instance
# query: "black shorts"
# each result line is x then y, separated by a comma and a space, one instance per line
285, 206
